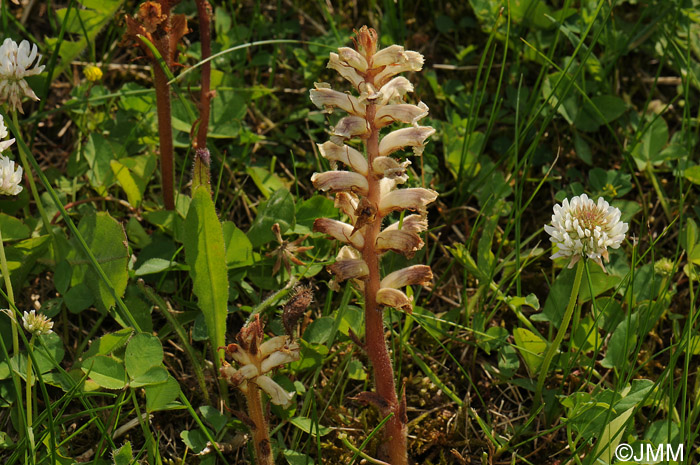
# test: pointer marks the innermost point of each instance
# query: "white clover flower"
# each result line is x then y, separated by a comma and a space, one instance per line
583, 228
37, 324
16, 63
9, 178
4, 144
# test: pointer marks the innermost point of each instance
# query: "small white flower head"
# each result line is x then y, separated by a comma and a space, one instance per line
10, 179
583, 228
37, 324
4, 144
16, 63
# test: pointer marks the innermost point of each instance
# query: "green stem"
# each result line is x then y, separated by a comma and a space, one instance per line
10, 296
29, 385
32, 185
554, 346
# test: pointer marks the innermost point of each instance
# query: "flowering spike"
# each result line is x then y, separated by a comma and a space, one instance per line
367, 192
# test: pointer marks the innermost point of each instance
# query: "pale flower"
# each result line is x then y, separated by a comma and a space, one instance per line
16, 63
10, 178
583, 228
4, 144
37, 324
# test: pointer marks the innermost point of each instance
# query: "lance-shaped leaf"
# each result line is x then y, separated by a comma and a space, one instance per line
345, 70
204, 253
406, 137
341, 231
401, 113
340, 181
344, 154
400, 241
326, 98
412, 275
414, 199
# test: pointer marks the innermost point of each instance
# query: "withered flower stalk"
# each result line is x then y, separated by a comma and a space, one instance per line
256, 358
367, 193
155, 23
202, 159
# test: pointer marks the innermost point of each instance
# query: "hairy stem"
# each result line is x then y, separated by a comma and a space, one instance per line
165, 135
261, 434
395, 429
203, 9
554, 346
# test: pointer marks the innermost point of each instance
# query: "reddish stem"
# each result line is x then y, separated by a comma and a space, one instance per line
261, 435
395, 429
203, 9
165, 134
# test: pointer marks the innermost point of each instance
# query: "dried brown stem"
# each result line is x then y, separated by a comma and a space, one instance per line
395, 429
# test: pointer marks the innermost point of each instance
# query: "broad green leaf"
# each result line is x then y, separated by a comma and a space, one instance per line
159, 396
78, 298
279, 208
97, 15
204, 252
123, 455
309, 210
105, 372
195, 439
621, 343
692, 174
99, 153
106, 238
108, 343
213, 417
531, 347
154, 375
297, 458
143, 352
310, 426
12, 228
239, 250
126, 180
320, 330
648, 150
609, 440
156, 265
268, 182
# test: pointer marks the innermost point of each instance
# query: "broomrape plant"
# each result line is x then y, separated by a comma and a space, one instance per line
367, 193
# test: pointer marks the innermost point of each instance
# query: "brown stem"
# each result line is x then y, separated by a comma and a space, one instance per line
203, 9
261, 435
395, 429
165, 134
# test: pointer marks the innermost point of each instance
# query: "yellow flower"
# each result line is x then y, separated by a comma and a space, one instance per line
92, 73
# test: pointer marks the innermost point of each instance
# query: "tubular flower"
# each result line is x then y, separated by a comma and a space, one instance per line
367, 190
257, 359
16, 63
583, 228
